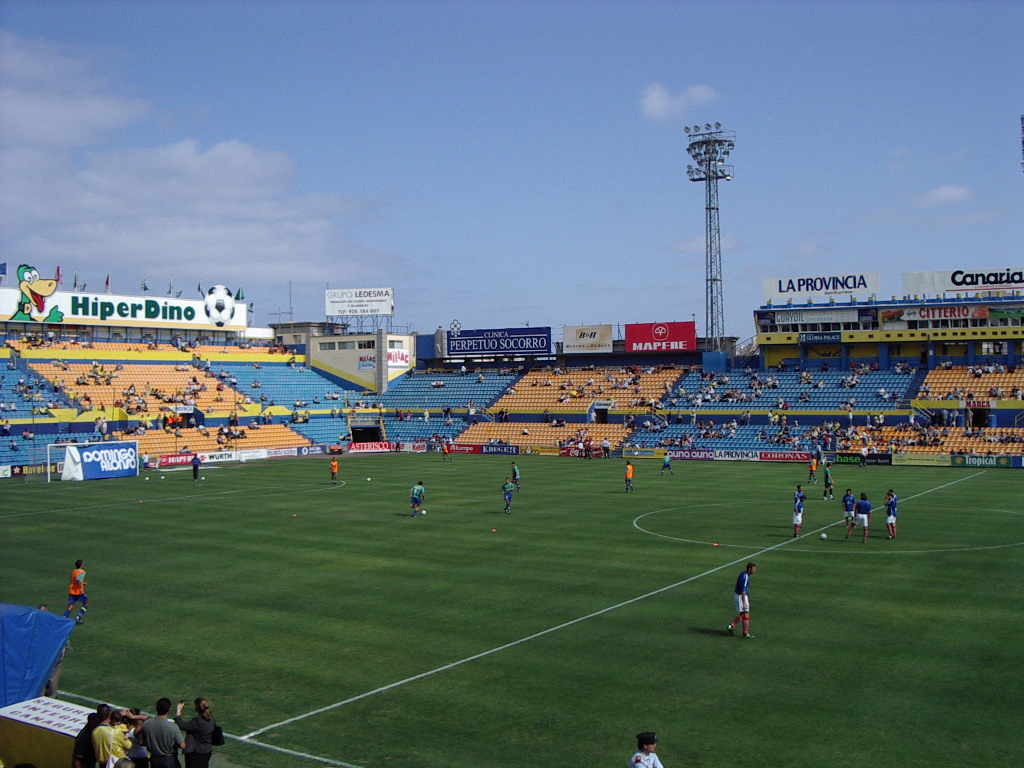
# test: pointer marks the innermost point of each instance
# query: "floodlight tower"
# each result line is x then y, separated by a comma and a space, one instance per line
710, 148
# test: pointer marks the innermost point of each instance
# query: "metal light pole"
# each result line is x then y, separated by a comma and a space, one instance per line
710, 148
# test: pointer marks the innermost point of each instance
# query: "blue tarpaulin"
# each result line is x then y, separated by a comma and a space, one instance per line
31, 642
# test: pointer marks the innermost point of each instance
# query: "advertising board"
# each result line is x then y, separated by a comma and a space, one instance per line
98, 462
920, 460
498, 341
944, 312
360, 301
586, 339
820, 286
996, 462
376, 446
661, 337
963, 280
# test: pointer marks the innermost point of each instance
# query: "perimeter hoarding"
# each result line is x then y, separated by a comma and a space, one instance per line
661, 337
586, 339
360, 301
820, 286
499, 341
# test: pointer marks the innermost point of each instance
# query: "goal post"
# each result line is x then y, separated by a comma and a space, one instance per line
92, 461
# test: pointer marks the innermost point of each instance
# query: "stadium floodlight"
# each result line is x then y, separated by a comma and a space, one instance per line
710, 150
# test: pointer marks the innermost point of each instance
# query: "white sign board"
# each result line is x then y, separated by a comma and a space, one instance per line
586, 339
861, 284
360, 301
963, 281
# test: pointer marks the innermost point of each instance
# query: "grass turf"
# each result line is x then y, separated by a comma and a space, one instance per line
563, 629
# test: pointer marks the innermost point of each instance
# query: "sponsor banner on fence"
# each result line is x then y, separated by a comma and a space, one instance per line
920, 459
960, 280
802, 456
21, 470
539, 450
634, 453
499, 341
420, 446
376, 446
724, 454
661, 337
277, 453
820, 286
312, 450
175, 460
998, 462
252, 454
5, 471
793, 316
465, 448
508, 450
595, 452
216, 457
692, 454
586, 339
873, 459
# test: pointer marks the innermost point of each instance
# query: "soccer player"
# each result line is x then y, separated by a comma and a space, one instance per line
798, 510
629, 477
334, 471
416, 497
891, 502
507, 490
848, 503
446, 451
812, 475
666, 463
76, 593
861, 516
196, 463
515, 475
644, 757
830, 485
741, 594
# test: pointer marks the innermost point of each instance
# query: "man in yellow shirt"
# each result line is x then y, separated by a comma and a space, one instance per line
108, 740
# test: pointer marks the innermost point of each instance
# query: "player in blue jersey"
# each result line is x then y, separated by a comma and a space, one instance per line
891, 502
861, 516
740, 593
798, 510
666, 463
848, 503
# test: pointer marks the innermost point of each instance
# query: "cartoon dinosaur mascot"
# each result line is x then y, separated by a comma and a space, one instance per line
34, 293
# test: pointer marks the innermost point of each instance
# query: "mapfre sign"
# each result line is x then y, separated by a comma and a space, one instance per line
661, 337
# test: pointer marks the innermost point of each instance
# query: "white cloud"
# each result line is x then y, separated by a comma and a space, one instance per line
947, 193
658, 103
227, 213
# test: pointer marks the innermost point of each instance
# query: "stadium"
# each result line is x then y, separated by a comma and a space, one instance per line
317, 617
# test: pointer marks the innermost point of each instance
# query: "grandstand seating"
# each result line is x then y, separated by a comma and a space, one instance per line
420, 391
540, 434
746, 438
984, 441
157, 442
284, 385
575, 389
973, 383
153, 383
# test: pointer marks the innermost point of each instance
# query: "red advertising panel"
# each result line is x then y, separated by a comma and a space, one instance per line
661, 337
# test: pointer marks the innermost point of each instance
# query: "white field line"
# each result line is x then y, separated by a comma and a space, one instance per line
535, 635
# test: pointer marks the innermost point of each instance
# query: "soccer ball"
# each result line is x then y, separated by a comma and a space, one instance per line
220, 305
423, 511
147, 479
203, 477
241, 461
367, 479
824, 536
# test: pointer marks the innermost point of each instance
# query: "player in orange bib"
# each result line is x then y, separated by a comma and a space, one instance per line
629, 478
76, 593
812, 475
334, 471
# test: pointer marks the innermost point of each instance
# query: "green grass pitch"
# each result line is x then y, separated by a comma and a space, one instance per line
326, 621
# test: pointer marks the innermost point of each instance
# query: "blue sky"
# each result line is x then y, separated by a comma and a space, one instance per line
506, 162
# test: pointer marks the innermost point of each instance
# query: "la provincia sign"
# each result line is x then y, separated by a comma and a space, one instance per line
820, 286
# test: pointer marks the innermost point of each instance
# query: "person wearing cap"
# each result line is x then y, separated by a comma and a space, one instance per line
644, 757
